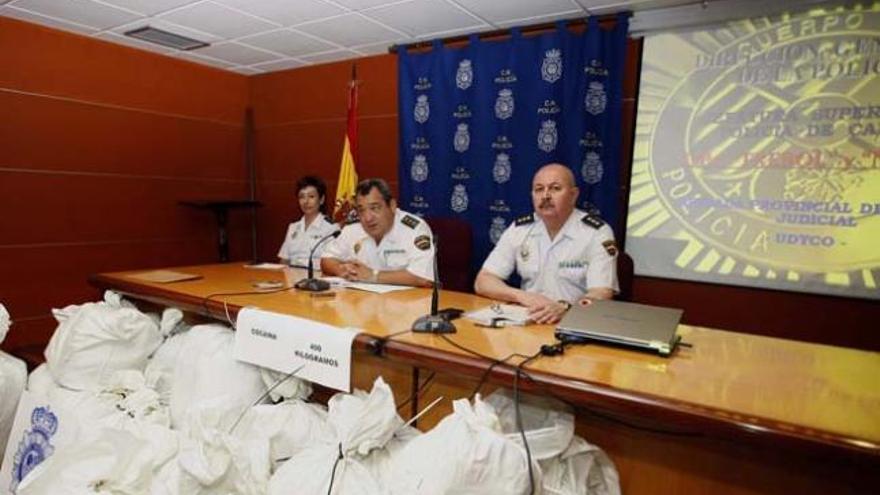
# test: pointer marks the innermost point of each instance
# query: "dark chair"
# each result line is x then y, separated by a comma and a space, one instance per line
625, 272
455, 243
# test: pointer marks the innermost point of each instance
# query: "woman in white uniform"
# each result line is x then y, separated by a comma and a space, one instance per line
314, 225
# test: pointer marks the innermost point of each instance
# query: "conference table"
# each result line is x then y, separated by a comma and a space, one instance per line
727, 412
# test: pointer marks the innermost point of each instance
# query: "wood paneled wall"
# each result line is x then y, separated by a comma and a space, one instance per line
98, 143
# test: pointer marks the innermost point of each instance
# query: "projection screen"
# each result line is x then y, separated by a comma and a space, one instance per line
757, 154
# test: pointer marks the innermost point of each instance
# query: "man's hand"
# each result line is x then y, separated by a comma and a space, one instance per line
542, 310
356, 271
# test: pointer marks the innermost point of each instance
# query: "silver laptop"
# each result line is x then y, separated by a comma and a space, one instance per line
628, 324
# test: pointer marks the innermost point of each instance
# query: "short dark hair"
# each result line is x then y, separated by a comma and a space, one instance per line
318, 184
365, 186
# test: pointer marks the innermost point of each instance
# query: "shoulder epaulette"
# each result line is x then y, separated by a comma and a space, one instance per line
524, 220
592, 221
410, 221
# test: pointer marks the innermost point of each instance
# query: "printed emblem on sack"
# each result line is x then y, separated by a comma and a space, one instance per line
592, 169
35, 446
596, 99
422, 242
504, 104
551, 69
547, 136
610, 247
419, 169
422, 110
465, 74
462, 139
496, 229
501, 170
459, 200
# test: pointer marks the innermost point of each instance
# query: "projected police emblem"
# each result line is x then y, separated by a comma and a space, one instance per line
547, 136
462, 139
465, 75
504, 104
459, 200
551, 68
596, 99
422, 110
501, 170
496, 229
419, 169
592, 170
762, 163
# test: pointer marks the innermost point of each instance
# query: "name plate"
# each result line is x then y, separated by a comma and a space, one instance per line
284, 343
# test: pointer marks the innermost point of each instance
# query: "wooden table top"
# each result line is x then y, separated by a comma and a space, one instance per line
731, 384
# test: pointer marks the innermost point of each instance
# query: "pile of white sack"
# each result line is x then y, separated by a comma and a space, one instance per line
135, 403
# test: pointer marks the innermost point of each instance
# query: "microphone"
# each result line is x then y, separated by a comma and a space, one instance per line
310, 283
434, 322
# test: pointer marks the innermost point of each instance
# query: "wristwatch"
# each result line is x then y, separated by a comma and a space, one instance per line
565, 303
375, 275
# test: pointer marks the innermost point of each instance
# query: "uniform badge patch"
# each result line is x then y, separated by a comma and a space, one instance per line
610, 247
410, 221
524, 252
524, 220
422, 242
357, 247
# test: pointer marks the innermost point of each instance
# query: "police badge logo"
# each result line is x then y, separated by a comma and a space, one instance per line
422, 242
501, 170
592, 169
35, 446
551, 69
504, 104
524, 252
459, 200
496, 229
462, 139
419, 169
547, 137
357, 247
422, 110
596, 99
465, 74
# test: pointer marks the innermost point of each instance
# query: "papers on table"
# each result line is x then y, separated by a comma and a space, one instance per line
266, 266
377, 288
164, 276
500, 315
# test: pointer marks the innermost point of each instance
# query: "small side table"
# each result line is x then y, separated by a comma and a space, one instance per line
221, 208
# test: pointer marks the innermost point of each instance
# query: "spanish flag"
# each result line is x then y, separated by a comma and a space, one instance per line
348, 179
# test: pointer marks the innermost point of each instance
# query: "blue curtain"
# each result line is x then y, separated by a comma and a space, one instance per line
477, 122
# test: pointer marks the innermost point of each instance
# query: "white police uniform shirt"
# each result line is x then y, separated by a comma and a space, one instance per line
582, 256
299, 240
407, 246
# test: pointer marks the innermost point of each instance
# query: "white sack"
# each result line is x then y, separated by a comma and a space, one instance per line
361, 423
465, 454
206, 371
291, 427
13, 375
113, 462
569, 465
96, 339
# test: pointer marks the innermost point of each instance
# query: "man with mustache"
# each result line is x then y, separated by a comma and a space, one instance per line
563, 255
386, 245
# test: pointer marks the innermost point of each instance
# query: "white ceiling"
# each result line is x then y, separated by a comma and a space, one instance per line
256, 36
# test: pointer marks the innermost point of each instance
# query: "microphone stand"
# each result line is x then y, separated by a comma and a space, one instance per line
310, 283
434, 323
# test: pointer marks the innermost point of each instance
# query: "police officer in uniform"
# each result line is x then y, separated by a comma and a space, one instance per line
386, 244
562, 254
312, 227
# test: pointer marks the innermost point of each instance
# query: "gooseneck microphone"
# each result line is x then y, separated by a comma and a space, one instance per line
434, 322
310, 283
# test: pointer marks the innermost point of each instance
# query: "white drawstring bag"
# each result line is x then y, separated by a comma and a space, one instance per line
206, 370
96, 339
291, 427
465, 454
569, 465
361, 423
214, 458
13, 376
289, 388
112, 462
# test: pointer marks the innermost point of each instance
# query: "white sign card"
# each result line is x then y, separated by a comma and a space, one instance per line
38, 431
284, 343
